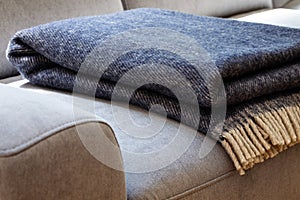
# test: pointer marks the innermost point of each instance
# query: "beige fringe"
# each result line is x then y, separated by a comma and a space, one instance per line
262, 131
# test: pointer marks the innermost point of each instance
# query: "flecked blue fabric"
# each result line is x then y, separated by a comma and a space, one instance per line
253, 59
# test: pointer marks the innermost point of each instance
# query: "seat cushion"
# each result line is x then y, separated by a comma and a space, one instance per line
275, 179
11, 79
19, 14
148, 176
151, 167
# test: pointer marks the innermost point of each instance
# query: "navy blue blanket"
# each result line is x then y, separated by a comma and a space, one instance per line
253, 60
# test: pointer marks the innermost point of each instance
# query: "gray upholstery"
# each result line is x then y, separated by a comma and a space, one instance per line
212, 178
19, 14
190, 177
158, 184
35, 118
11, 79
202, 7
280, 3
41, 150
294, 4
61, 168
279, 17
244, 14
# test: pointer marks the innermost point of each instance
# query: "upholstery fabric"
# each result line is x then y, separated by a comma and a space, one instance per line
294, 4
188, 171
279, 17
213, 177
201, 7
11, 79
280, 3
248, 13
60, 167
39, 118
276, 179
19, 14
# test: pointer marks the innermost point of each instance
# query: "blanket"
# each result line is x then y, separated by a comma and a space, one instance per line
178, 61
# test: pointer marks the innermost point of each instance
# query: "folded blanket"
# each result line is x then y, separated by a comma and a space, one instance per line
258, 64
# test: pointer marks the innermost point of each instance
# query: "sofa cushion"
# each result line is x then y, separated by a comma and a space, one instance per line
202, 7
19, 14
190, 177
150, 175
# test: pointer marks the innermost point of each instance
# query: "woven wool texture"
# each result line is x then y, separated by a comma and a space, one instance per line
254, 60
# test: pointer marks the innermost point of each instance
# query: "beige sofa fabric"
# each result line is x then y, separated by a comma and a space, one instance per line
60, 167
276, 179
189, 179
202, 7
28, 117
240, 15
43, 154
19, 14
280, 3
185, 174
294, 4
279, 17
11, 79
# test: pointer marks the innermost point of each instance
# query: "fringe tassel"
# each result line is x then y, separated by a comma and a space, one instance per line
261, 131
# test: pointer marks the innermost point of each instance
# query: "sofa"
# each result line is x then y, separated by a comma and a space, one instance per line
48, 153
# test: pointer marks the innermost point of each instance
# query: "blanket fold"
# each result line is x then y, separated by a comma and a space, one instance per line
259, 67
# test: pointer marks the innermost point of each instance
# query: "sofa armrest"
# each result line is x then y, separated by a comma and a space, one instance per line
43, 152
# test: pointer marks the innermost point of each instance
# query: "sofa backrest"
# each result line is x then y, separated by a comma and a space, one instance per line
19, 14
220, 8
279, 3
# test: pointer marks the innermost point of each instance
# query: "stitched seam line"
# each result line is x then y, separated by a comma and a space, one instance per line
47, 133
203, 186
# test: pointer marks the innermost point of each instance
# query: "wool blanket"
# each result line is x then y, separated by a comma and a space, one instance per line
251, 69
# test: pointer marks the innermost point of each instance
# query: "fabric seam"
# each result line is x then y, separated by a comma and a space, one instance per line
46, 133
203, 186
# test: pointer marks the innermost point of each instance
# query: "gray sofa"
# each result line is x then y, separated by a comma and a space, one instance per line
47, 153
